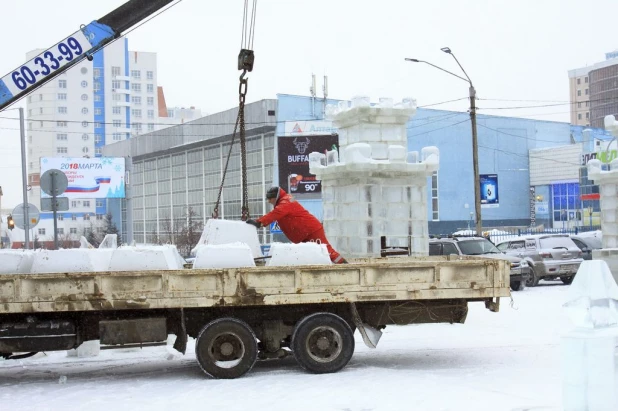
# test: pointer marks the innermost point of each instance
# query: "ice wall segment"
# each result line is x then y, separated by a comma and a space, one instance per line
373, 186
608, 186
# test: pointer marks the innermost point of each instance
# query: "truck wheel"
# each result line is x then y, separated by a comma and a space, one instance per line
532, 280
226, 348
567, 280
322, 343
517, 285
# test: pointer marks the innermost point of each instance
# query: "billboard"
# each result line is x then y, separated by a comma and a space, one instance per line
309, 128
489, 190
101, 177
293, 158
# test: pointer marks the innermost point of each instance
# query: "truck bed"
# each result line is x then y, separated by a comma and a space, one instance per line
363, 280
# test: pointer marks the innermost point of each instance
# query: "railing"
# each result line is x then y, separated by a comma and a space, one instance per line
498, 235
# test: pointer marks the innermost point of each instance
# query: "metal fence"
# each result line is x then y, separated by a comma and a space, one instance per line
497, 236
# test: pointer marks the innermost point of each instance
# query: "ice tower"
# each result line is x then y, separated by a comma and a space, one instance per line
608, 187
373, 186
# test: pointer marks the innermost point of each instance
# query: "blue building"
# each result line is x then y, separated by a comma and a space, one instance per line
504, 144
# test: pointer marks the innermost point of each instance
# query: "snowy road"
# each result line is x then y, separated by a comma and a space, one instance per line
496, 361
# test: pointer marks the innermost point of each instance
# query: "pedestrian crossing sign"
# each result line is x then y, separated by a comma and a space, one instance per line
274, 228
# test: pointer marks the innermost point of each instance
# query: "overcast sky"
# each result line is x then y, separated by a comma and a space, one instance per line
512, 50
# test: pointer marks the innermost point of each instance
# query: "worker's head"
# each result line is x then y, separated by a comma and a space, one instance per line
272, 195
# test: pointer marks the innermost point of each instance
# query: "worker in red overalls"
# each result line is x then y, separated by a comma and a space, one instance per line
298, 224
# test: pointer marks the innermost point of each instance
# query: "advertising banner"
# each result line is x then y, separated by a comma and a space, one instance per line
489, 190
101, 177
293, 157
309, 128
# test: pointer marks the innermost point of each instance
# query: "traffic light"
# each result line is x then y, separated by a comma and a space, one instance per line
10, 222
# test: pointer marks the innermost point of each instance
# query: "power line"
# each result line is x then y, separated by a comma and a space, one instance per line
442, 102
441, 128
612, 99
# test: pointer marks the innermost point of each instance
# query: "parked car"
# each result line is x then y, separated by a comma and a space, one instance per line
482, 247
587, 244
549, 256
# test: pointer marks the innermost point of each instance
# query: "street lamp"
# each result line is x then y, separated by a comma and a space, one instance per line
475, 148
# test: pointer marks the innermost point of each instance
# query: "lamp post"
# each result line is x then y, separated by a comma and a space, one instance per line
475, 148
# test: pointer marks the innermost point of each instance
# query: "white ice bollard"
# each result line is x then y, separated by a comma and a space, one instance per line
90, 348
588, 363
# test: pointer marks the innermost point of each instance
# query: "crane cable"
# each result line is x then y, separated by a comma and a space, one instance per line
246, 59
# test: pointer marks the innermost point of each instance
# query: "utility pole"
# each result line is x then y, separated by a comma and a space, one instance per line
475, 146
24, 176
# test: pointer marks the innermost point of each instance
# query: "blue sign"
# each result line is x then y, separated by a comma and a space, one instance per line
489, 190
274, 228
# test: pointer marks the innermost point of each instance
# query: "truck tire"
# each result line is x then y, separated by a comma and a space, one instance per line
517, 285
567, 280
226, 348
322, 343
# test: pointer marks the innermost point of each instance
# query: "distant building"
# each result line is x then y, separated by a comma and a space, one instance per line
593, 92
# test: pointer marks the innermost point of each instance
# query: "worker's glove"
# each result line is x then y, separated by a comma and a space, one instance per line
254, 223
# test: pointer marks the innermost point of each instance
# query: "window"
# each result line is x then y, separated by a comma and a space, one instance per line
116, 110
136, 87
61, 231
586, 80
115, 84
149, 75
61, 150
60, 217
579, 81
99, 203
98, 125
41, 124
61, 123
73, 217
435, 210
96, 86
96, 73
448, 249
137, 100
117, 136
115, 71
98, 138
62, 84
62, 110
579, 104
41, 97
587, 114
150, 126
170, 113
97, 97
579, 93
579, 116
84, 97
587, 104
137, 127
84, 124
151, 101
136, 113
587, 92
41, 230
61, 137
86, 217
150, 113
73, 230
99, 217
116, 97
84, 83
136, 74
62, 96
73, 204
84, 110
86, 203
150, 88
116, 123
97, 151
85, 137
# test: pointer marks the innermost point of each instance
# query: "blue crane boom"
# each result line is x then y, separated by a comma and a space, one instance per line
74, 48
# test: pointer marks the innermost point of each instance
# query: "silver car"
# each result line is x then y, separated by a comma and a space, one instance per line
549, 256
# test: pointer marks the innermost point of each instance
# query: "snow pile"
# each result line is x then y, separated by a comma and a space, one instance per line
224, 256
217, 232
298, 254
16, 261
141, 258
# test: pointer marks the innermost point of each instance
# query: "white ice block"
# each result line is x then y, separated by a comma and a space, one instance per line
224, 256
16, 261
142, 258
397, 154
358, 153
63, 261
225, 232
87, 349
285, 254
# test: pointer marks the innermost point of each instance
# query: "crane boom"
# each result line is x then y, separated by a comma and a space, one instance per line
74, 48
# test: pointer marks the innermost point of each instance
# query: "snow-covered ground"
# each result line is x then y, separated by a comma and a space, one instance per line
496, 361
